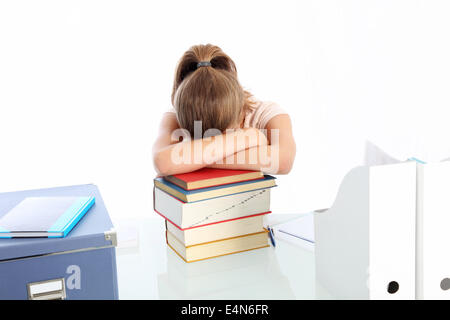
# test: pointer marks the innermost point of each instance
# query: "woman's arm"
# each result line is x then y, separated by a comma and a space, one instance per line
275, 158
170, 156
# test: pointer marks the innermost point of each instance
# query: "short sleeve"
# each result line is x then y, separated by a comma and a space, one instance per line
262, 113
170, 110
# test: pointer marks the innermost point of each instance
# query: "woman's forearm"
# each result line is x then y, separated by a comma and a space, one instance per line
192, 155
268, 159
256, 159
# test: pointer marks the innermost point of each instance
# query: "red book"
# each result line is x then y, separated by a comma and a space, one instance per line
208, 177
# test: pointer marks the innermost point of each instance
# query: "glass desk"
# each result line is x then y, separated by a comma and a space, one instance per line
148, 269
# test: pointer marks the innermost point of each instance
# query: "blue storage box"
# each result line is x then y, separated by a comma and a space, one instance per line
79, 266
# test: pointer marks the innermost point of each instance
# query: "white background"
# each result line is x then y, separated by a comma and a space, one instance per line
83, 85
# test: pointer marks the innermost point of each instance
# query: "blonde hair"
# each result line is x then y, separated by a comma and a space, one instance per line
212, 93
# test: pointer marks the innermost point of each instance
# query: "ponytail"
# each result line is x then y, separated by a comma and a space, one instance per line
206, 88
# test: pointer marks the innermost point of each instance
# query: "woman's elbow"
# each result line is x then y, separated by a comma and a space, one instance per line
161, 165
285, 163
285, 167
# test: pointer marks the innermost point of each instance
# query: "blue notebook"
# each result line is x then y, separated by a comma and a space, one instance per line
48, 217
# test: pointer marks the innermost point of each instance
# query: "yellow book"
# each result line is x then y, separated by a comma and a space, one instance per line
217, 248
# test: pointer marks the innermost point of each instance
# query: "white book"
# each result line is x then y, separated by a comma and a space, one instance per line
195, 214
299, 232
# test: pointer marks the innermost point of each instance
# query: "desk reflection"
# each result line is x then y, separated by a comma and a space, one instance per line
253, 274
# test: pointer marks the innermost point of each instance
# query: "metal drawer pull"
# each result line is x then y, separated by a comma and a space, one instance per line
54, 289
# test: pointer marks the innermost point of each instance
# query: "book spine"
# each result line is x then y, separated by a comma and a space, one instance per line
208, 224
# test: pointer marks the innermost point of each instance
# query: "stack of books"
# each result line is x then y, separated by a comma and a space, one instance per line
214, 212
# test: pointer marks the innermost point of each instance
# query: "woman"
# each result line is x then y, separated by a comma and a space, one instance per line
231, 129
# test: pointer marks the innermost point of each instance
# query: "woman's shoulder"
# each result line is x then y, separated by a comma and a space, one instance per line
261, 113
170, 110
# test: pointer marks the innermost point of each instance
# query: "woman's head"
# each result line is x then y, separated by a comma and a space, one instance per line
210, 92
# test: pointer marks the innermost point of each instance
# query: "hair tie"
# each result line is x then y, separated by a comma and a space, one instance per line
203, 64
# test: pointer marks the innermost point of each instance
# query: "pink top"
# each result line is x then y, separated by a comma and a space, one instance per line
261, 114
